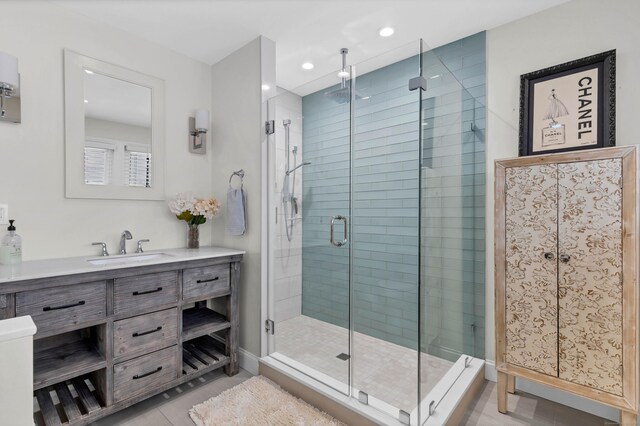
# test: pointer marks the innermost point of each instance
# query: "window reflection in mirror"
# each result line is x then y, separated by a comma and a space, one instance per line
117, 122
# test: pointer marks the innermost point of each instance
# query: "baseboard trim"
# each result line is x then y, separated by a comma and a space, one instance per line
248, 361
556, 395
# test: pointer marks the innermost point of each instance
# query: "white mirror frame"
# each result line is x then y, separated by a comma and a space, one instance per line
74, 66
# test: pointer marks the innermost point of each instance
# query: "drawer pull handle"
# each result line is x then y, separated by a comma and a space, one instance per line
208, 281
140, 293
144, 333
140, 376
49, 308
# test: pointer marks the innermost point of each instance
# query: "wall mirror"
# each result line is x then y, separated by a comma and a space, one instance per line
114, 131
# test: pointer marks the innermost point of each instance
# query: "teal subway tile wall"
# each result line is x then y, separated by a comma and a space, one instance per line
385, 212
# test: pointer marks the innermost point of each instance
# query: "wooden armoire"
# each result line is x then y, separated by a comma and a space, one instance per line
566, 275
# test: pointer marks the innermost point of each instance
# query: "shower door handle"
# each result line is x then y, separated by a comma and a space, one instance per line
346, 231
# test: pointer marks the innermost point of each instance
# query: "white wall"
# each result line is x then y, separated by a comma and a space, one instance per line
32, 153
236, 144
571, 31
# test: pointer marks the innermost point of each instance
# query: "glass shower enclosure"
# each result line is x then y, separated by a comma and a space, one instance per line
376, 229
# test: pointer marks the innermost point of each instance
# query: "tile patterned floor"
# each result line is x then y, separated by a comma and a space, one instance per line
171, 408
384, 370
526, 409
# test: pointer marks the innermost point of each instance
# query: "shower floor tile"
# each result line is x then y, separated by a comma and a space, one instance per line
382, 369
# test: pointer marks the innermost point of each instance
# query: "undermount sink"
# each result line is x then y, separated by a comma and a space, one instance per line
127, 258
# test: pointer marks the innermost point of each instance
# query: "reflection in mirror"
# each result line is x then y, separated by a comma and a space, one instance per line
117, 123
114, 131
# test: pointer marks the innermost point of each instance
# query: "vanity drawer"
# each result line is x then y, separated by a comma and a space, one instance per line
145, 373
147, 332
209, 281
144, 292
59, 307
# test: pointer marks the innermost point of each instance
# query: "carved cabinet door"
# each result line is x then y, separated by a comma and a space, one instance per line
531, 267
590, 274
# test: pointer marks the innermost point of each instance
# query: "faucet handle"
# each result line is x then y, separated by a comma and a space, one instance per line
139, 249
104, 248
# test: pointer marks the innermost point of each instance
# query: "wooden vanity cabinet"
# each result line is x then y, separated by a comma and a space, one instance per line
109, 339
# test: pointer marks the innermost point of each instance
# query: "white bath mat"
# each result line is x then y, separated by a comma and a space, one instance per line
258, 401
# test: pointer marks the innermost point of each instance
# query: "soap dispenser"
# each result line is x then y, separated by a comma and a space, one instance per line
11, 246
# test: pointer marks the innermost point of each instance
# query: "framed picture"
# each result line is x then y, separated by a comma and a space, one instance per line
569, 107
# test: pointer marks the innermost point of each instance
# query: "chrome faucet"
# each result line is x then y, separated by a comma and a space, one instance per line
126, 235
104, 248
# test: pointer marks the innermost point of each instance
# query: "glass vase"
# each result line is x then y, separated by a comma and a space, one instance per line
193, 236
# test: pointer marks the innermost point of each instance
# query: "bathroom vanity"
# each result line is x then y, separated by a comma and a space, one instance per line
110, 335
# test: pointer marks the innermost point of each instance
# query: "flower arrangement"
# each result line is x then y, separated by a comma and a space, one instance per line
194, 211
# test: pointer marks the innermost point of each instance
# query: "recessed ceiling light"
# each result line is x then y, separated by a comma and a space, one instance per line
386, 32
308, 66
88, 71
343, 74
86, 101
266, 87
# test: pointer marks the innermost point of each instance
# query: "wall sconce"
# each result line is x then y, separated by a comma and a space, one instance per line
198, 127
9, 89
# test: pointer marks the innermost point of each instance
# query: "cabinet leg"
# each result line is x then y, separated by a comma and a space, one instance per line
502, 392
628, 419
233, 333
511, 384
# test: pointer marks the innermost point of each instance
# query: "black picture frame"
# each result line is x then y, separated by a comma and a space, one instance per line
605, 132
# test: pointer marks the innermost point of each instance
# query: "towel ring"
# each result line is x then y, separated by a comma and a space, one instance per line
240, 174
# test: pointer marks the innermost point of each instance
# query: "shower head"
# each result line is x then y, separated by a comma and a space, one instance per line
342, 95
286, 122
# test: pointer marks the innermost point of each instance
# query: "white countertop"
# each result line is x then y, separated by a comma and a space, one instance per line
78, 265
16, 328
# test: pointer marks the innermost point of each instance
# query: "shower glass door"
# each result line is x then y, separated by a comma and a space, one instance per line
309, 226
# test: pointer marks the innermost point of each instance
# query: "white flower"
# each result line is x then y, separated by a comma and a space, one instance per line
206, 207
184, 201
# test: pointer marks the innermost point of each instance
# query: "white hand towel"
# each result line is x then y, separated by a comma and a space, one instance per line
236, 211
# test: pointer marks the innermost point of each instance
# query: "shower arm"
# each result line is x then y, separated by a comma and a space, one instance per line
344, 52
306, 163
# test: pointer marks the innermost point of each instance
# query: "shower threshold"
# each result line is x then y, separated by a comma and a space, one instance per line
447, 395
387, 372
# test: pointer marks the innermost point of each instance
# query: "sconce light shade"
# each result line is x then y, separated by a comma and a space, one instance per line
9, 70
9, 89
202, 120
